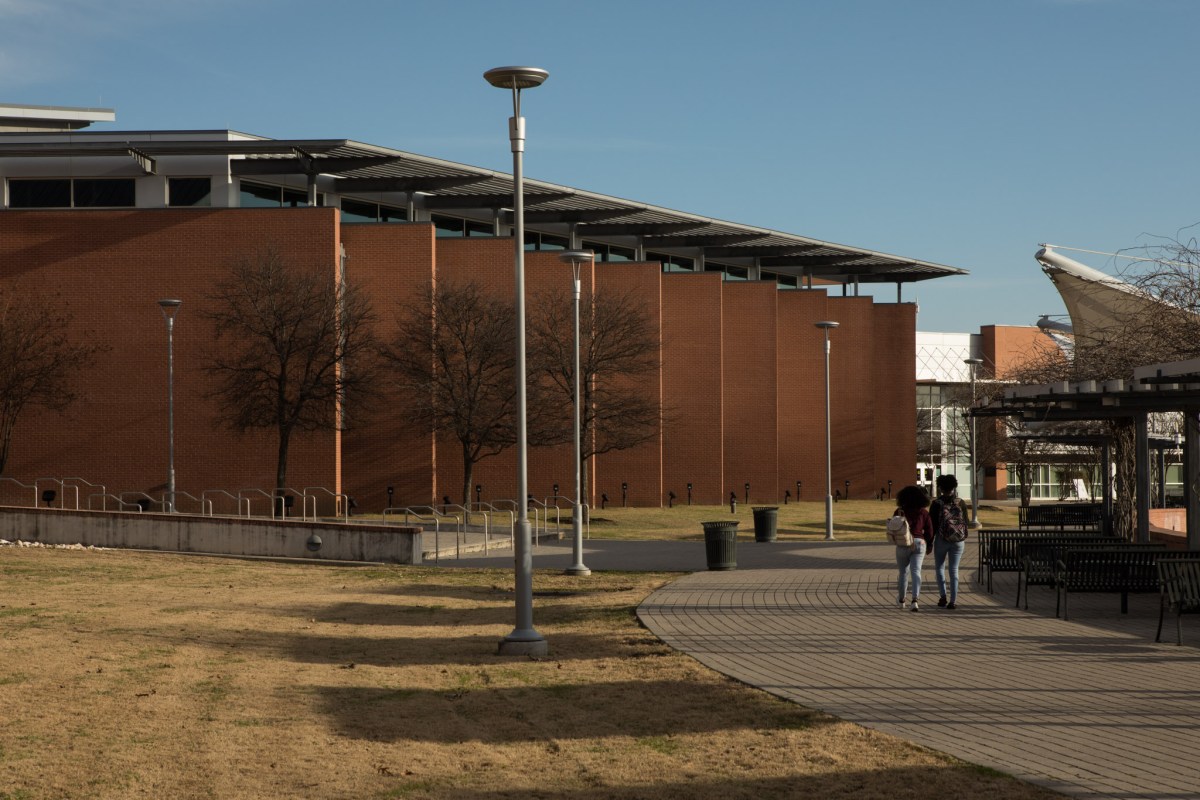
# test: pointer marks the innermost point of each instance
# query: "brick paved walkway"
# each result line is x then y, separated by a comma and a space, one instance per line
1092, 707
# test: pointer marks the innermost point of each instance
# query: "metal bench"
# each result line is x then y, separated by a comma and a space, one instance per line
998, 547
1084, 516
1125, 569
1179, 583
1039, 557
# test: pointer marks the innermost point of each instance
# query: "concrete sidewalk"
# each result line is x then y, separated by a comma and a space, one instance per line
1092, 707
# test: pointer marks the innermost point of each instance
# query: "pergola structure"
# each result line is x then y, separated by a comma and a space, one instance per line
433, 185
1155, 388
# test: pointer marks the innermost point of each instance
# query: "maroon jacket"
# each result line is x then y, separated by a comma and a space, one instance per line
920, 523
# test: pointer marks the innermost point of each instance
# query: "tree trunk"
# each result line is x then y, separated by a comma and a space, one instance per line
468, 474
1125, 491
285, 435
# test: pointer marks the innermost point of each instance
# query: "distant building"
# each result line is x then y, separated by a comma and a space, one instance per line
110, 222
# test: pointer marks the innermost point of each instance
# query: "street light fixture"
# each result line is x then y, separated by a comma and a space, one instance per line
169, 309
825, 325
524, 639
973, 364
577, 258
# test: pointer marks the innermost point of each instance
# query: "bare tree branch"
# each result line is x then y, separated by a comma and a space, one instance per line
292, 349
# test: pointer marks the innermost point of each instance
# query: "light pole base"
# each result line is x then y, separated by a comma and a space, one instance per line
976, 525
580, 571
523, 647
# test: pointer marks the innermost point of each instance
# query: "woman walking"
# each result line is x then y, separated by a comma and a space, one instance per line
913, 505
950, 512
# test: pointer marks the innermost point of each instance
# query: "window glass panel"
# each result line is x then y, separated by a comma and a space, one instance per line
295, 199
39, 193
551, 242
478, 228
354, 211
391, 214
189, 192
736, 273
254, 195
104, 192
447, 226
619, 253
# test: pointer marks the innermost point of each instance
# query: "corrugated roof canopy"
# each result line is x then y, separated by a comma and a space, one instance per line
445, 185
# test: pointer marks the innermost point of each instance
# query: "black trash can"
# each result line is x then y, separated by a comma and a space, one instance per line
720, 544
766, 523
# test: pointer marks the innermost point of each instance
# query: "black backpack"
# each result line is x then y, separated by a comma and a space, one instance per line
952, 525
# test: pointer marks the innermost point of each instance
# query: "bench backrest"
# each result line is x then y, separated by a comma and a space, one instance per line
1128, 567
998, 548
1043, 553
1068, 515
1180, 582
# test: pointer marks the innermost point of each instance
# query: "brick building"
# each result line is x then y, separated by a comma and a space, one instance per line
109, 222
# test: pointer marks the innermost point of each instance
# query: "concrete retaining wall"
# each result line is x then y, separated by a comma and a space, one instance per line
217, 535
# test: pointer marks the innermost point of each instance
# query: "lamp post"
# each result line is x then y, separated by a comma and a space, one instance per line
524, 639
825, 325
577, 258
169, 309
973, 364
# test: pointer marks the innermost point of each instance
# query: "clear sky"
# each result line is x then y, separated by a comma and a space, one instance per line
963, 132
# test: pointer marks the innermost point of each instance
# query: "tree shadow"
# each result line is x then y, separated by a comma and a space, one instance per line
481, 713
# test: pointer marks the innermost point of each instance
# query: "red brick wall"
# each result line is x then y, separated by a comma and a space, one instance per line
741, 379
692, 386
108, 269
641, 466
393, 263
749, 390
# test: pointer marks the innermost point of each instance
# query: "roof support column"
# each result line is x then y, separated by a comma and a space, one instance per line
1106, 485
899, 284
699, 260
639, 249
1142, 489
312, 190
1191, 476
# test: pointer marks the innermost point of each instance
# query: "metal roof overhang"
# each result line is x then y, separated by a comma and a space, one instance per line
360, 167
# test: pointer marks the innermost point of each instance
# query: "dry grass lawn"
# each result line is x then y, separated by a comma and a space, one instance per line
127, 675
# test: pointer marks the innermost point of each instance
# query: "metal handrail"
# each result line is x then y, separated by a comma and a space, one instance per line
142, 495
177, 493
120, 502
486, 508
270, 499
237, 499
24, 486
86, 483
303, 502
437, 525
62, 487
341, 502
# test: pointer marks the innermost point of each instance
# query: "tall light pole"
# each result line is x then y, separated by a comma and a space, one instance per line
826, 325
577, 258
524, 639
973, 364
169, 309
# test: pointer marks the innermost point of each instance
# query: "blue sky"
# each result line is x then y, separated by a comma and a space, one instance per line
963, 132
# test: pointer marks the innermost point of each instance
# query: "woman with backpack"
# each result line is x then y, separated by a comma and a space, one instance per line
913, 504
949, 512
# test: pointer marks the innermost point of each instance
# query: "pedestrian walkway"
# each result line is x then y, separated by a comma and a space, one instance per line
1092, 707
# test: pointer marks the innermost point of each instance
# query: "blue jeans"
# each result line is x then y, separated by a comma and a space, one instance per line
944, 552
909, 562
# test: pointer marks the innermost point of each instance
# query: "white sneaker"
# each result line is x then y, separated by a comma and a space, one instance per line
902, 603
915, 607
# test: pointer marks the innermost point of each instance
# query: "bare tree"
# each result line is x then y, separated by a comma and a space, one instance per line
293, 349
619, 348
38, 360
453, 359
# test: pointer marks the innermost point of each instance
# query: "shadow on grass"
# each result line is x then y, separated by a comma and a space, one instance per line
899, 783
477, 712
